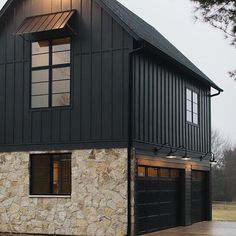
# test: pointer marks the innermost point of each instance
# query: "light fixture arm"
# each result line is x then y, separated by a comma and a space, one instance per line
156, 150
212, 156
172, 152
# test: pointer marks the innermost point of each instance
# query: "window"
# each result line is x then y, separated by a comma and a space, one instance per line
50, 174
50, 76
192, 106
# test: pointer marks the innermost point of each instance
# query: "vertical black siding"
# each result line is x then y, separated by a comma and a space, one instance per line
100, 82
160, 106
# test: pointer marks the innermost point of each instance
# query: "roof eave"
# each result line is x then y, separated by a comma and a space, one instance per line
5, 7
172, 60
122, 23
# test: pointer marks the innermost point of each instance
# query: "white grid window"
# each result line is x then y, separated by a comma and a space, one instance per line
192, 106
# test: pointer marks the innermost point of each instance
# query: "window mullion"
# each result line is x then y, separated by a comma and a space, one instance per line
51, 174
50, 74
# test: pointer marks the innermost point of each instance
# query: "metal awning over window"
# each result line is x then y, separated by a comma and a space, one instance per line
43, 23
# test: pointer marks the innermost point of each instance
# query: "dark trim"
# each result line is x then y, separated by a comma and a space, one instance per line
66, 146
150, 148
51, 157
130, 134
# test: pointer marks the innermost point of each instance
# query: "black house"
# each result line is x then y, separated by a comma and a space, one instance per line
105, 127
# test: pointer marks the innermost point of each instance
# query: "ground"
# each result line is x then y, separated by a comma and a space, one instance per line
215, 228
224, 211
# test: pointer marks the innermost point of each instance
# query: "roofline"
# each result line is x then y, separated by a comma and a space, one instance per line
122, 23
171, 59
5, 7
133, 34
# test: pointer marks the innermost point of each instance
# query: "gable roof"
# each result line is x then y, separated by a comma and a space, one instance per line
141, 30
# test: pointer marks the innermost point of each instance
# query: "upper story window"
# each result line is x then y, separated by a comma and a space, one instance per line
50, 174
192, 106
50, 73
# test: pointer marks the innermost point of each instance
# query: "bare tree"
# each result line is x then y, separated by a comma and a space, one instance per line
219, 144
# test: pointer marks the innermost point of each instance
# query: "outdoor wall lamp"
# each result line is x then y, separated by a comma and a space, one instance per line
171, 155
156, 150
212, 160
186, 157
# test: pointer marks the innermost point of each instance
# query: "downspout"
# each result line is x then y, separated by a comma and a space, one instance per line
130, 135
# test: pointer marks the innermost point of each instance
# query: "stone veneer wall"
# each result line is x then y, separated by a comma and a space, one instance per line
97, 206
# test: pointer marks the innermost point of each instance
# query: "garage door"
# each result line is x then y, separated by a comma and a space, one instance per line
199, 193
158, 199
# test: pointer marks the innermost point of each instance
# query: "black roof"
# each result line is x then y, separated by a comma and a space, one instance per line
142, 31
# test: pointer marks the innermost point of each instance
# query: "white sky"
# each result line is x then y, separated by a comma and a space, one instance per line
203, 45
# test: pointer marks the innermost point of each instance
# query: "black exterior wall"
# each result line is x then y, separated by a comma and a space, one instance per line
102, 70
98, 116
159, 107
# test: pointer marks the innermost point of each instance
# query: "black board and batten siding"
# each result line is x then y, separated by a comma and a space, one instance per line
159, 108
98, 116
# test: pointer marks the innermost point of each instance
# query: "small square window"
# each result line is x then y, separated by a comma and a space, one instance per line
141, 171
50, 174
152, 172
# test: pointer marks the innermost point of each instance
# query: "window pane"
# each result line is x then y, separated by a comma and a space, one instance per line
40, 60
164, 173
189, 105
195, 108
40, 76
39, 101
60, 57
40, 88
195, 97
40, 174
65, 178
189, 116
189, 94
195, 118
174, 173
152, 172
141, 171
40, 47
62, 86
61, 73
61, 45
61, 99
56, 177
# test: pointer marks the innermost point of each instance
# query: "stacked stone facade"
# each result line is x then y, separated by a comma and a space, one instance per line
97, 205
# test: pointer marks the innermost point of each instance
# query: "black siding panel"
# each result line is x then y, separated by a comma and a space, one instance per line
160, 106
98, 116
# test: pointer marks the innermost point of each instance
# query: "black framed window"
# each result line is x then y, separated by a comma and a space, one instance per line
50, 174
192, 106
50, 73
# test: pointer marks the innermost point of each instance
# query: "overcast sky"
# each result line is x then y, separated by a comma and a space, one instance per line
203, 45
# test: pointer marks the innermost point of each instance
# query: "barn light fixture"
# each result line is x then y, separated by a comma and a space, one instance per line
186, 157
156, 150
212, 160
171, 154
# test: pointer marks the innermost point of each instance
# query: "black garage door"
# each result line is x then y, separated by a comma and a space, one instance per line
158, 199
199, 196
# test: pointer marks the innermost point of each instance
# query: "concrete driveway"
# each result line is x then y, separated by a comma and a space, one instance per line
215, 228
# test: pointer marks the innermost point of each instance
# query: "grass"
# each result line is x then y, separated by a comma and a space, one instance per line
224, 211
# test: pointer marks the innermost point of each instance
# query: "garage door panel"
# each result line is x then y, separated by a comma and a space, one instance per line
153, 223
152, 197
157, 202
198, 196
142, 197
